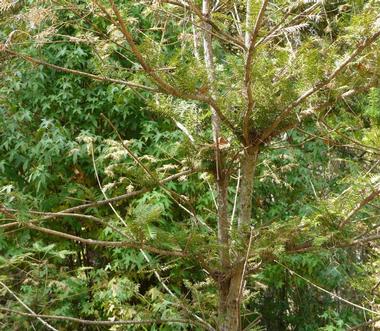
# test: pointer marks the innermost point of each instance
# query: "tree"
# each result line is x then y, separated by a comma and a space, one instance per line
236, 78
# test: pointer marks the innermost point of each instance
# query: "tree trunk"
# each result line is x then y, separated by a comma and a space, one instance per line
229, 306
230, 321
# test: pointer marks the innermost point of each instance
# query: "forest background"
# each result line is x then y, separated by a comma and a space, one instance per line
189, 165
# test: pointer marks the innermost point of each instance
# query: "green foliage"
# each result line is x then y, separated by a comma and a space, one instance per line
373, 109
54, 142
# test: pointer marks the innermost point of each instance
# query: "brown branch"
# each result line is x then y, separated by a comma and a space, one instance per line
321, 84
129, 151
362, 240
32, 313
207, 19
363, 325
328, 140
369, 149
210, 68
77, 72
333, 295
309, 248
49, 215
248, 70
244, 271
108, 323
123, 244
162, 84
147, 68
256, 29
9, 225
350, 93
325, 105
175, 3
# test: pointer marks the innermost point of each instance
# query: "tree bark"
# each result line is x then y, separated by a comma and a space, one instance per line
221, 175
230, 318
248, 167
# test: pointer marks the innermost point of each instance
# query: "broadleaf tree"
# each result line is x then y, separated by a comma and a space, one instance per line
233, 143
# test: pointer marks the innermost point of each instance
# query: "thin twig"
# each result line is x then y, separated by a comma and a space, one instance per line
77, 72
101, 187
245, 263
363, 325
172, 194
374, 194
292, 272
91, 322
48, 215
124, 244
236, 197
32, 313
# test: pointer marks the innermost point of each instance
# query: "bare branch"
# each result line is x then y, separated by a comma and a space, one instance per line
241, 287
210, 68
32, 313
363, 325
101, 187
195, 39
49, 215
356, 242
162, 84
236, 196
172, 194
69, 211
176, 3
358, 144
9, 225
350, 93
151, 72
255, 32
99, 323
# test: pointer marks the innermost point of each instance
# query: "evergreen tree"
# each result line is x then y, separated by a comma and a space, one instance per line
181, 165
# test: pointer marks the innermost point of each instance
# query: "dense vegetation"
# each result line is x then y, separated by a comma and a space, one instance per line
189, 165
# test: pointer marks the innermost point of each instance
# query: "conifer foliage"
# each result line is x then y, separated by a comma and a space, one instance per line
189, 164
